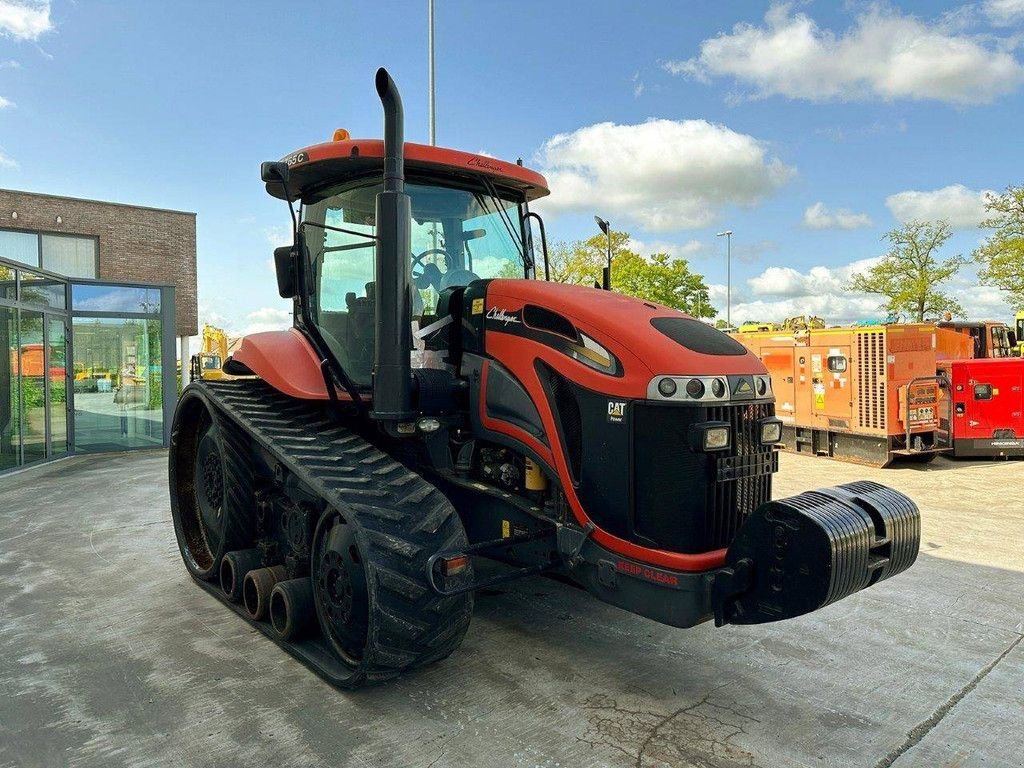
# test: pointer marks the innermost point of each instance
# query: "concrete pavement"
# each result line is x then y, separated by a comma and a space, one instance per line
111, 656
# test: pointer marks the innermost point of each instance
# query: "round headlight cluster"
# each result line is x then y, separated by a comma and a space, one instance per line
695, 388
762, 387
718, 388
667, 387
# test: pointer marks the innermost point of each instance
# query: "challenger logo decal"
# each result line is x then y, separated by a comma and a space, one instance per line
503, 316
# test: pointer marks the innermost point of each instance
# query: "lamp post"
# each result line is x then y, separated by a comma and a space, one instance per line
430, 74
728, 275
607, 229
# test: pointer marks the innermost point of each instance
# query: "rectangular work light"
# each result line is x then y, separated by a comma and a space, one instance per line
770, 431
711, 436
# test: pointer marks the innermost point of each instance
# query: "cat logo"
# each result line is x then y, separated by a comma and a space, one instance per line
743, 388
616, 411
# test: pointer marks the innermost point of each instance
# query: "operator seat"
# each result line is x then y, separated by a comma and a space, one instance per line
457, 278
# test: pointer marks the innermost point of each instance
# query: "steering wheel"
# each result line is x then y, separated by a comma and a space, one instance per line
428, 273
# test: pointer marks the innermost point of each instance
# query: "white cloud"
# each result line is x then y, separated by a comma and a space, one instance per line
1003, 13
638, 86
781, 292
279, 235
884, 55
10, 64
5, 103
267, 319
24, 19
963, 208
6, 161
818, 216
687, 250
662, 174
786, 281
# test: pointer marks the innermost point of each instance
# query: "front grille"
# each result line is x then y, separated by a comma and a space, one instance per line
736, 500
678, 503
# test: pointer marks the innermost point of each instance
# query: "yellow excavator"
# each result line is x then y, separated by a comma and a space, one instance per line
206, 364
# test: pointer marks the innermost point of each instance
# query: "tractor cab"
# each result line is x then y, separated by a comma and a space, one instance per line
469, 222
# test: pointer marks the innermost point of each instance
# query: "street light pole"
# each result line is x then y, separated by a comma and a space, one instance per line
430, 71
728, 275
607, 229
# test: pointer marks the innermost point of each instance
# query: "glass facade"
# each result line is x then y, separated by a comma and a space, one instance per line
82, 366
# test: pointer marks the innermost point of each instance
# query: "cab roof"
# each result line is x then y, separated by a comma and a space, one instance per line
336, 160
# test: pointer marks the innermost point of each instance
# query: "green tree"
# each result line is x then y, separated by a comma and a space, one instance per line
910, 274
663, 280
1001, 257
658, 278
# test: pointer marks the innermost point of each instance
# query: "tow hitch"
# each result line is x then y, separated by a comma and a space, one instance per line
796, 555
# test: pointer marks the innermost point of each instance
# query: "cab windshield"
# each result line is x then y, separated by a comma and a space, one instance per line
458, 235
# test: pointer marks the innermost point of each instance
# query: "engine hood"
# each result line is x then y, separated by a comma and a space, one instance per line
646, 339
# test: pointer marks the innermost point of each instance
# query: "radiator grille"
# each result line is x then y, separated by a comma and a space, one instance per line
871, 380
678, 504
737, 499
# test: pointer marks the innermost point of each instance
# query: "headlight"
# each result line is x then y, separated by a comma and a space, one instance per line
716, 438
771, 431
667, 387
710, 436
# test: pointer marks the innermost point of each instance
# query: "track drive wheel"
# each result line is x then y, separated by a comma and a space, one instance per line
211, 490
368, 567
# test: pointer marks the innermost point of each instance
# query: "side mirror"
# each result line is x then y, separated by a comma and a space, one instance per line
274, 170
284, 264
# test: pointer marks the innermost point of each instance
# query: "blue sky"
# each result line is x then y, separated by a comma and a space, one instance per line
809, 129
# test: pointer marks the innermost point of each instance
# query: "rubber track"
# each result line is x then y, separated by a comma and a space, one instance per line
400, 519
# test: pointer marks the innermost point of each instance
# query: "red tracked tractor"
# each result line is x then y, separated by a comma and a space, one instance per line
436, 402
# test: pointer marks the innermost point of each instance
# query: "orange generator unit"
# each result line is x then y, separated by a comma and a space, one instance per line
867, 394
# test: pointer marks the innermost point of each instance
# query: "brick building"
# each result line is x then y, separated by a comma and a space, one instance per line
94, 299
104, 241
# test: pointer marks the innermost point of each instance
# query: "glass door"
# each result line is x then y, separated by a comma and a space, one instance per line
32, 348
117, 384
10, 399
56, 383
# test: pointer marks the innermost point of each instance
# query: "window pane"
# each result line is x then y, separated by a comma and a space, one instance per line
36, 289
20, 246
9, 416
114, 298
57, 347
117, 384
33, 386
8, 283
69, 255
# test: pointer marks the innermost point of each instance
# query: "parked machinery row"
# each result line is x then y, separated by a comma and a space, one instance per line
875, 394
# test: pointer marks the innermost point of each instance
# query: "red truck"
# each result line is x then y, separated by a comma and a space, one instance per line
988, 406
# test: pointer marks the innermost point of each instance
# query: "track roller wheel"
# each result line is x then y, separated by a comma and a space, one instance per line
340, 594
210, 488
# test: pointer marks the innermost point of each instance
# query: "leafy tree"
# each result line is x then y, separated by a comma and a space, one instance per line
910, 274
663, 280
1001, 257
659, 278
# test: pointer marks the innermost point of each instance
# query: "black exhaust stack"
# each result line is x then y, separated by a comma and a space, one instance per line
392, 382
